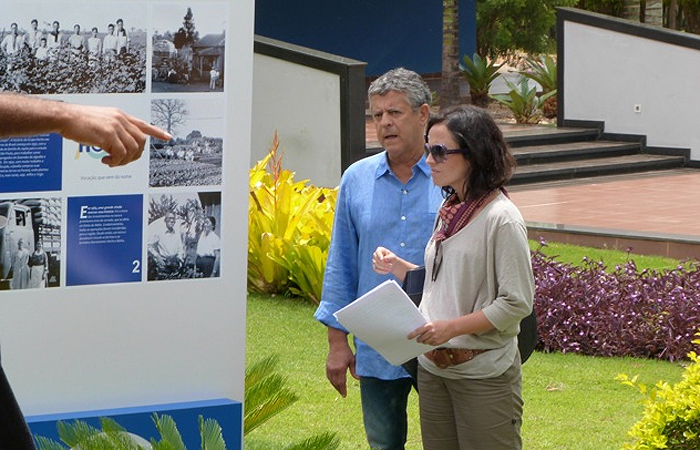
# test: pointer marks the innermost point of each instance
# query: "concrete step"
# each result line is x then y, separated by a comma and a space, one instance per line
562, 170
529, 135
573, 151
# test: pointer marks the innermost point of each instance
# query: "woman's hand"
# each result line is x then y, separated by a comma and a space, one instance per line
433, 333
383, 261
441, 331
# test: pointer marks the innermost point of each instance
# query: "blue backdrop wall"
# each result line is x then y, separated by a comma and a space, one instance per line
384, 34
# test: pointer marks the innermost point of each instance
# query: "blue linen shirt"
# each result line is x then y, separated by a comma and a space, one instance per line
374, 208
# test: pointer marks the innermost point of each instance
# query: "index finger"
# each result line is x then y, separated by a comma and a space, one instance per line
151, 130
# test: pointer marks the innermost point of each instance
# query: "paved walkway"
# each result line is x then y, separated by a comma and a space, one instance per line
662, 202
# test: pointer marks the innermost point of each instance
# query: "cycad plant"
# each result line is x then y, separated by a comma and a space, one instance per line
265, 393
479, 73
266, 396
523, 101
112, 436
544, 72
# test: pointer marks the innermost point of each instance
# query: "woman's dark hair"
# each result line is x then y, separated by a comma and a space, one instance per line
490, 159
213, 222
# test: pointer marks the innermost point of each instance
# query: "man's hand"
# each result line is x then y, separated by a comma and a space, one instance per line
117, 133
340, 359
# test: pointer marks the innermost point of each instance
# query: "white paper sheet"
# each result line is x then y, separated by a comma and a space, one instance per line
383, 318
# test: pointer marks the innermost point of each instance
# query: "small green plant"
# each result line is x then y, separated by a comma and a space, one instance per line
544, 72
479, 73
671, 417
267, 395
523, 101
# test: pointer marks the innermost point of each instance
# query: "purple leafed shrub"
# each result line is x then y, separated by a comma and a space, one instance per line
627, 312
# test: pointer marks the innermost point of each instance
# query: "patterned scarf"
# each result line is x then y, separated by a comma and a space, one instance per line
455, 215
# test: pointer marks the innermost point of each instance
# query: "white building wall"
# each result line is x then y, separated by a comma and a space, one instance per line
303, 105
635, 85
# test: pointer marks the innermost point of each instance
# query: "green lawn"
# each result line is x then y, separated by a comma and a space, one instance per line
574, 254
571, 402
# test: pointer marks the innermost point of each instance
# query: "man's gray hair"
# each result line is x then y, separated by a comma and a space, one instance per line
405, 81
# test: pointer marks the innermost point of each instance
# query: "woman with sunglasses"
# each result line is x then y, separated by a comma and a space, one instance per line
479, 285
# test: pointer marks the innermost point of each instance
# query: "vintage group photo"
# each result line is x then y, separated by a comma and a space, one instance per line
62, 49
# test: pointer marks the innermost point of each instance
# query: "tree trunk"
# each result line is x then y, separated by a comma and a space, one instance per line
672, 14
692, 19
449, 86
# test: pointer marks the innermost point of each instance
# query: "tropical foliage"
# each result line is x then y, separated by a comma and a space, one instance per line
267, 395
479, 73
671, 417
289, 230
523, 101
79, 434
543, 71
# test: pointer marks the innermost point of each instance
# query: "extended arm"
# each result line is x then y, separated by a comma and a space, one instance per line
119, 134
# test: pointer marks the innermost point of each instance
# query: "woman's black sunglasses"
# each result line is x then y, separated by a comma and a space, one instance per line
440, 152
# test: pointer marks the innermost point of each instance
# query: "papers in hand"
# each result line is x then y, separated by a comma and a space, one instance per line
383, 318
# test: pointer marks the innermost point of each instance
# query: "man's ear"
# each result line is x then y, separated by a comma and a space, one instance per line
424, 113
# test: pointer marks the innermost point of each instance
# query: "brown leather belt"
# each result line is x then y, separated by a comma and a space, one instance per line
446, 357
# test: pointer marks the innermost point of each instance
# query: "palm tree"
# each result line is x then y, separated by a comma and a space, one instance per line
449, 86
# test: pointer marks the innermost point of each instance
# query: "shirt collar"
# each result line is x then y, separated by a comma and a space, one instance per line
383, 166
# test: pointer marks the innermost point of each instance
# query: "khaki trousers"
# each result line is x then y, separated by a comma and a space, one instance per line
469, 414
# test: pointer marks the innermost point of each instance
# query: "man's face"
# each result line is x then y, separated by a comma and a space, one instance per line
170, 221
13, 27
400, 129
110, 29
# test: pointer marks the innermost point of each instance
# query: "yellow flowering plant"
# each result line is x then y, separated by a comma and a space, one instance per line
289, 229
671, 417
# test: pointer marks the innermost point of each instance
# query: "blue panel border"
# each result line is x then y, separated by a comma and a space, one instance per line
138, 420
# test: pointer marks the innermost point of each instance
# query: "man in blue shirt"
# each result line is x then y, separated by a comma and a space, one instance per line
386, 200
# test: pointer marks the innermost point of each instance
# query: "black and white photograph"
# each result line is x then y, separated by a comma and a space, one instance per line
189, 45
184, 238
30, 243
73, 48
194, 156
